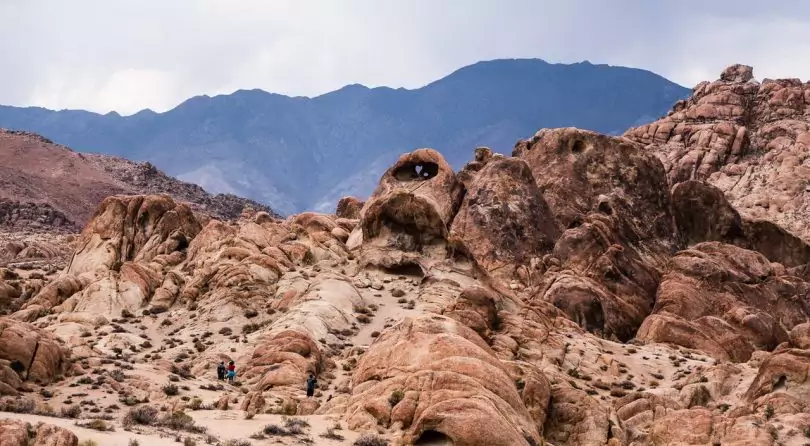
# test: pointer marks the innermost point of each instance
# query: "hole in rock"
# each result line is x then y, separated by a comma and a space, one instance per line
584, 309
578, 146
575, 223
416, 171
405, 269
17, 366
604, 207
433, 438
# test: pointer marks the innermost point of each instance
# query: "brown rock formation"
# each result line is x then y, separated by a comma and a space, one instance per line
504, 220
614, 200
726, 301
748, 139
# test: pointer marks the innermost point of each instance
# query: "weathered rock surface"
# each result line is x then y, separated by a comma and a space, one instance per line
726, 301
504, 220
580, 292
750, 140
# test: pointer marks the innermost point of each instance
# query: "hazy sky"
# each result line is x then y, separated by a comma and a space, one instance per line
126, 55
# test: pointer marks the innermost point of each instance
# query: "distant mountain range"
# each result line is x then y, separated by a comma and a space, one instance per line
298, 153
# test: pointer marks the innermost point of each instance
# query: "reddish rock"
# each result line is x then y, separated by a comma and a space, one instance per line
504, 220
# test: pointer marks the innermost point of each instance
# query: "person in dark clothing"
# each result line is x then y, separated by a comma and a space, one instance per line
221, 371
311, 381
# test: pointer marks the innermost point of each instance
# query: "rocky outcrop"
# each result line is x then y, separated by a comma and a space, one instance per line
435, 377
19, 433
410, 211
28, 353
613, 199
135, 228
726, 301
504, 220
349, 207
748, 139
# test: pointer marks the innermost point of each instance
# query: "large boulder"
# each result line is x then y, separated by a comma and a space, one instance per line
725, 301
133, 228
703, 214
32, 353
504, 220
411, 209
436, 378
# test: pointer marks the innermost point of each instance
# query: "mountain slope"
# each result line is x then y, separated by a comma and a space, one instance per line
303, 153
46, 186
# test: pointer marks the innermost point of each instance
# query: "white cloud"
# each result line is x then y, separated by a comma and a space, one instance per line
127, 55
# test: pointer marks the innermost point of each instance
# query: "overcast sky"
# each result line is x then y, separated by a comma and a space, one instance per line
126, 55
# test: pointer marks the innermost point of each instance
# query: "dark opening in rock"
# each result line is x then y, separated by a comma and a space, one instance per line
575, 223
604, 207
417, 171
578, 146
406, 269
17, 366
433, 438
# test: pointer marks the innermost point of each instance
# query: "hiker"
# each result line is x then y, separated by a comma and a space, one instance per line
311, 381
221, 371
231, 372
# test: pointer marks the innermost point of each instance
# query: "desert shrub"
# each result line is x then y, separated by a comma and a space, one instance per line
179, 420
300, 422
134, 442
251, 313
370, 440
332, 435
195, 403
22, 405
274, 429
85, 380
768, 412
226, 331
250, 328
184, 371
99, 425
236, 443
118, 375
170, 389
143, 415
188, 441
396, 396
71, 411
88, 442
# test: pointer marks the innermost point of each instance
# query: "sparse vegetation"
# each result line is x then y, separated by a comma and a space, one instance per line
370, 440
170, 389
250, 328
143, 415
768, 412
179, 420
97, 424
88, 442
396, 396
332, 435
72, 411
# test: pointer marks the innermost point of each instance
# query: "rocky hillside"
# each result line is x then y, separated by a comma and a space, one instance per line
564, 295
48, 187
749, 139
297, 153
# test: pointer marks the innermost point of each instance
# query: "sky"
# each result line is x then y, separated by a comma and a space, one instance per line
128, 55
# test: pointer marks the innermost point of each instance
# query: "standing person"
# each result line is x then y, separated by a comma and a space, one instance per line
221, 371
311, 381
231, 372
